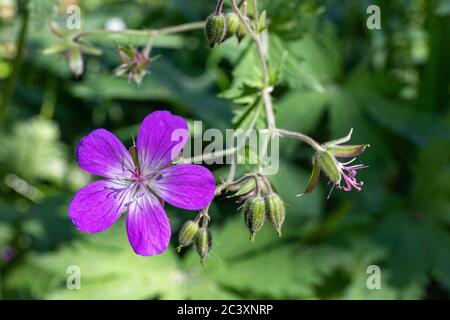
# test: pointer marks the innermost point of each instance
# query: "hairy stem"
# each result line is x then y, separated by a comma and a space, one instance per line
219, 7
148, 32
210, 156
262, 55
299, 136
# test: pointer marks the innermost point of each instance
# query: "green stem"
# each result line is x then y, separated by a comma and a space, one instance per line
146, 33
219, 7
8, 89
299, 136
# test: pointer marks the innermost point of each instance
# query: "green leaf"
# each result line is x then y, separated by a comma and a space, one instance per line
33, 151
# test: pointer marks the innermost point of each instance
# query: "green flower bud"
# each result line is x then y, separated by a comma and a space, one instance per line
241, 32
275, 211
203, 243
187, 234
254, 215
327, 163
233, 24
215, 29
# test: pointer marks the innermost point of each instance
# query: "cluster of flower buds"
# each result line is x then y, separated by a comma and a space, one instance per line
71, 45
192, 233
326, 160
260, 203
220, 27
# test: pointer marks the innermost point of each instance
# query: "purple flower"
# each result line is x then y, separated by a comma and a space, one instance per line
8, 254
139, 186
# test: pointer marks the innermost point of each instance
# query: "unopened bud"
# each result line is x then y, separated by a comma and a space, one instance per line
275, 211
215, 29
187, 234
233, 23
241, 32
203, 243
254, 215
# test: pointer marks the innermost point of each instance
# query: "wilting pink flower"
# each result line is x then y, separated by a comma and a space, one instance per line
349, 175
134, 65
139, 186
326, 160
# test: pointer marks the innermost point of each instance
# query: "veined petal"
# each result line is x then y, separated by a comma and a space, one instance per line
148, 227
185, 186
96, 206
161, 138
102, 154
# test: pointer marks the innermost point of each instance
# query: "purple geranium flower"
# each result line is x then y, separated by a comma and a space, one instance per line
139, 186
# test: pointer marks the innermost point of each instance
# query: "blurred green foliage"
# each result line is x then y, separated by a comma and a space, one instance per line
332, 74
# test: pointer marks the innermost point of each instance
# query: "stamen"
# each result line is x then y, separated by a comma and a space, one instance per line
329, 194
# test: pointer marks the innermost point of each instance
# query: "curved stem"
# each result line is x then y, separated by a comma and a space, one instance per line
299, 136
219, 7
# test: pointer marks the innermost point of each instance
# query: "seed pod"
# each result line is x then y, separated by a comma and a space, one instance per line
275, 211
187, 234
215, 29
233, 23
203, 243
254, 215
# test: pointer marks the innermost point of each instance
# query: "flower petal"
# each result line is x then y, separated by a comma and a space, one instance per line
148, 227
185, 186
161, 137
102, 154
96, 206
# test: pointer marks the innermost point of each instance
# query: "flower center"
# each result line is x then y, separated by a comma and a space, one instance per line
137, 176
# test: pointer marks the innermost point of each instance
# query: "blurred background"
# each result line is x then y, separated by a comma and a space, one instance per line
391, 85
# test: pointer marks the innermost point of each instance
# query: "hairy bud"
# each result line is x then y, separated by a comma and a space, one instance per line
254, 215
233, 23
203, 243
275, 211
187, 234
215, 29
241, 32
